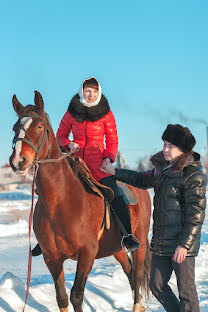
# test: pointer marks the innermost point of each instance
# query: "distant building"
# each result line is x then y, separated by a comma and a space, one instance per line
10, 180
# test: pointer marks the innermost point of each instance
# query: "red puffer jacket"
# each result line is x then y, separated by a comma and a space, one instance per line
89, 126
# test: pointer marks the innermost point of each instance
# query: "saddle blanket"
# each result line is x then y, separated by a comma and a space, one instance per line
129, 197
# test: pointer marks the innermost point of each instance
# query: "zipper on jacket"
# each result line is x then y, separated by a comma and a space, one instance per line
85, 138
158, 192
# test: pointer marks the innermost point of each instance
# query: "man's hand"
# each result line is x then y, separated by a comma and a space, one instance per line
107, 167
106, 161
180, 254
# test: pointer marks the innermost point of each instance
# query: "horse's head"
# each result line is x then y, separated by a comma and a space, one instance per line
31, 140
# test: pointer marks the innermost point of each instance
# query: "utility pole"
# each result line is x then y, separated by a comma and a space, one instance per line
120, 161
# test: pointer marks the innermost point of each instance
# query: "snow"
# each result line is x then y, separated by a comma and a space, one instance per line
107, 288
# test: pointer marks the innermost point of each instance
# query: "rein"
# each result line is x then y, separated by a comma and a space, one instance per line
35, 169
50, 160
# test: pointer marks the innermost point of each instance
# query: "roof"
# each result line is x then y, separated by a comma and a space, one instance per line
5, 166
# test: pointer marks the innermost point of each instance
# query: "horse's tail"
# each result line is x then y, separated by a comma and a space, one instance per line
146, 272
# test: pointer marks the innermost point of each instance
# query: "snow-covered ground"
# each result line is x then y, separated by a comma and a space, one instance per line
107, 288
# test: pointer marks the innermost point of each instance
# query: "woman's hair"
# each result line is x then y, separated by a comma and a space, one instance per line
91, 83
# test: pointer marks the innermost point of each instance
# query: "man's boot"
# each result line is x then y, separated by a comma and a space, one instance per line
121, 211
36, 251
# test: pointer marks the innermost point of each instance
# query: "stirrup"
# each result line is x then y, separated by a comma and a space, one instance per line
133, 245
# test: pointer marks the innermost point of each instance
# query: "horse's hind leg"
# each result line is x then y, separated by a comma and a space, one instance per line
141, 262
137, 273
129, 270
57, 273
84, 266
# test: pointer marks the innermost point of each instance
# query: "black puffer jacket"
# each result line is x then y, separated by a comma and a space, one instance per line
179, 201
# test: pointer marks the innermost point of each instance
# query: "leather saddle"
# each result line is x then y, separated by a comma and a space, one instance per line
80, 168
127, 194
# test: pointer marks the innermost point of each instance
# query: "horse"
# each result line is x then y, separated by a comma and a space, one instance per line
67, 219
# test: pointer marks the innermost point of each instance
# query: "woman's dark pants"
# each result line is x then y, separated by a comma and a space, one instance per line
119, 206
161, 270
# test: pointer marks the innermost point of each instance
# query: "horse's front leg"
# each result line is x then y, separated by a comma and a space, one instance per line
57, 273
84, 266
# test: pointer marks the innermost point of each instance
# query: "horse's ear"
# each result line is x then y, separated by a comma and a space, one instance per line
16, 104
39, 100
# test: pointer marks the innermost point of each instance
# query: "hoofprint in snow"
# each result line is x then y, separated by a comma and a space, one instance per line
107, 288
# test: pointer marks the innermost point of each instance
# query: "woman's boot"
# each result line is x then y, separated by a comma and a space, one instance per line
36, 251
121, 210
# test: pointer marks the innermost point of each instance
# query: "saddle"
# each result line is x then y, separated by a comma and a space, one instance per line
127, 194
80, 168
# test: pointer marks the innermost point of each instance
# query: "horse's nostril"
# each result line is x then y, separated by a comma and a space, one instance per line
23, 160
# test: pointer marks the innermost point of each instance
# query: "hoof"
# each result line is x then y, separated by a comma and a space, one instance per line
138, 307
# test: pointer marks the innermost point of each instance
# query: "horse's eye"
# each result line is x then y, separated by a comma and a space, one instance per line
39, 127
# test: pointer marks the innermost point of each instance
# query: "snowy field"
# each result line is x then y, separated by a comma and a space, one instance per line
107, 288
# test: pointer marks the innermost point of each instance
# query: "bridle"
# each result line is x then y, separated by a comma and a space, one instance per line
28, 140
37, 150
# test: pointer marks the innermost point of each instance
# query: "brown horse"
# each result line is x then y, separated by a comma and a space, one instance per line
67, 219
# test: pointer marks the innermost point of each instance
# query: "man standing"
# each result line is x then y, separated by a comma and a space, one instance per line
179, 212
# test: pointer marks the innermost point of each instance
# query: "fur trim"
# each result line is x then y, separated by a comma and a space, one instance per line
179, 136
94, 113
180, 163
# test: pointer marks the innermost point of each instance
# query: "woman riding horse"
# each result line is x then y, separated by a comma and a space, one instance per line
68, 218
90, 120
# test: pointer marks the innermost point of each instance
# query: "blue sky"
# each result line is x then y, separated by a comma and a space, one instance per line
150, 57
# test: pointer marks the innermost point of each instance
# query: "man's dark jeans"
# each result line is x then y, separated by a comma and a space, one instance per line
161, 270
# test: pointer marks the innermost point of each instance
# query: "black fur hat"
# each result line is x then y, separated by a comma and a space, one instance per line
179, 136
